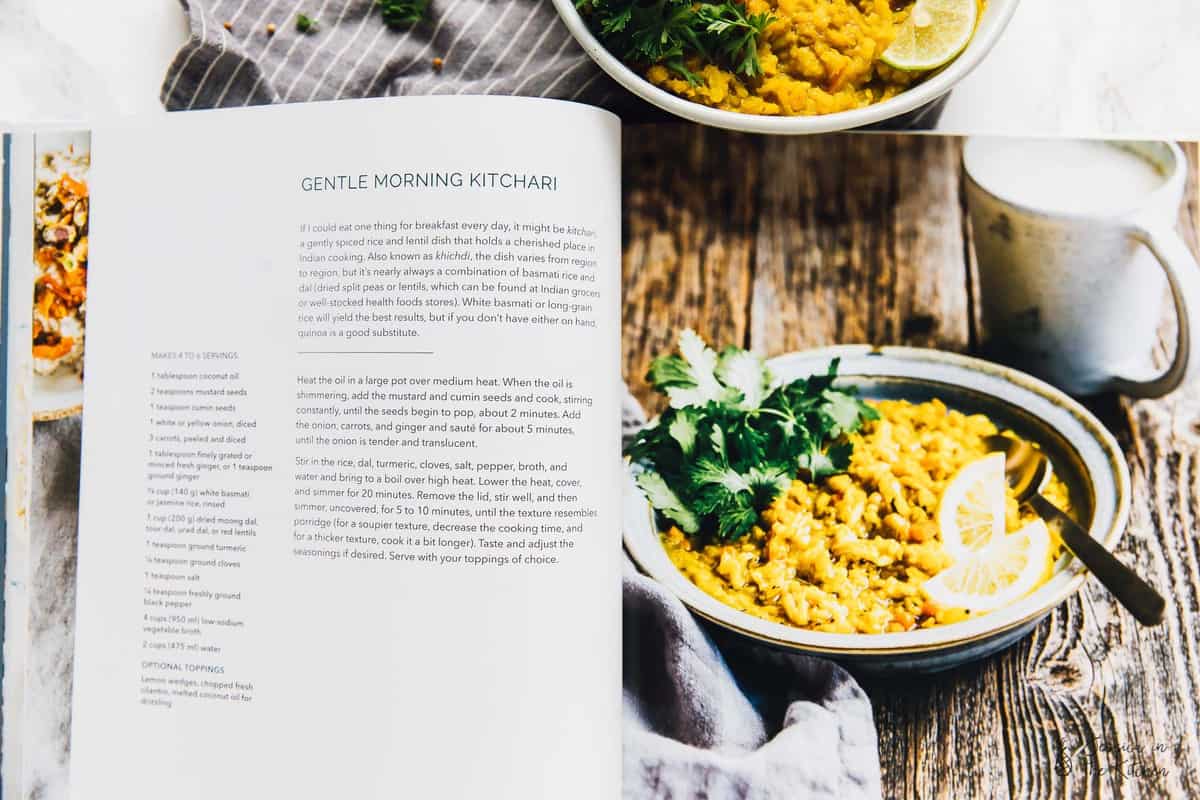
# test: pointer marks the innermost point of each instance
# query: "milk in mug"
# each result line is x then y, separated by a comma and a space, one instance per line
1076, 247
1065, 176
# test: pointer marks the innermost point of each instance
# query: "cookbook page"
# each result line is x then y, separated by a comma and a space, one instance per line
887, 427
347, 515
46, 206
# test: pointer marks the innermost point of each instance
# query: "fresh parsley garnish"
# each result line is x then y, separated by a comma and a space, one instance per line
733, 438
669, 32
305, 23
402, 13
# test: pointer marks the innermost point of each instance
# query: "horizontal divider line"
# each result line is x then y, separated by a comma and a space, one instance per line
364, 352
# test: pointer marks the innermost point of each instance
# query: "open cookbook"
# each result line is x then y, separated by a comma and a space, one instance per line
348, 514
400, 466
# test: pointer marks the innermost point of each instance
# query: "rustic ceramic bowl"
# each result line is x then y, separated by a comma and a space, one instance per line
991, 25
1085, 456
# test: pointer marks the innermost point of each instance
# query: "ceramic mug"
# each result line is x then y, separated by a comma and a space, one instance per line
1074, 247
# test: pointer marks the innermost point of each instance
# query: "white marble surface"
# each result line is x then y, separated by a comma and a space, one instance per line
1087, 68
1112, 68
109, 57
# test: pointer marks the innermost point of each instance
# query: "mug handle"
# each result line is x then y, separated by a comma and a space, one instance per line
1183, 276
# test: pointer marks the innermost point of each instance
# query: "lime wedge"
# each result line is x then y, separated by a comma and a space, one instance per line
935, 32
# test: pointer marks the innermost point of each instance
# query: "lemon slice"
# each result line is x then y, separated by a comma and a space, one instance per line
934, 33
997, 575
971, 514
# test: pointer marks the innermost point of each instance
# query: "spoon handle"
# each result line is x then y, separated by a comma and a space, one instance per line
1135, 594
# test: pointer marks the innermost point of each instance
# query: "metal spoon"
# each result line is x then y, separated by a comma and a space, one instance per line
1027, 470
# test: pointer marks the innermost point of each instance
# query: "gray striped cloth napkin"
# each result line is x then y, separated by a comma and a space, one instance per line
509, 47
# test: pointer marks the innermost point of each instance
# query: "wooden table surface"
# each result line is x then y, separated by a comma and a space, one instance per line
781, 244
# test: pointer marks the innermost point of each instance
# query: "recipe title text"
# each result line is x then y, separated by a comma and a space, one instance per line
520, 181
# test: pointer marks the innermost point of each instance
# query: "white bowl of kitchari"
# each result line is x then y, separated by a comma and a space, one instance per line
789, 66
889, 542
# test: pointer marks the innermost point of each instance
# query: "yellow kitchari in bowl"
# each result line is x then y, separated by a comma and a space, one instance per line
816, 57
855, 552
785, 57
801, 504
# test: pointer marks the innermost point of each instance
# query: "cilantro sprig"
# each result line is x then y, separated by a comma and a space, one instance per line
734, 438
668, 32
